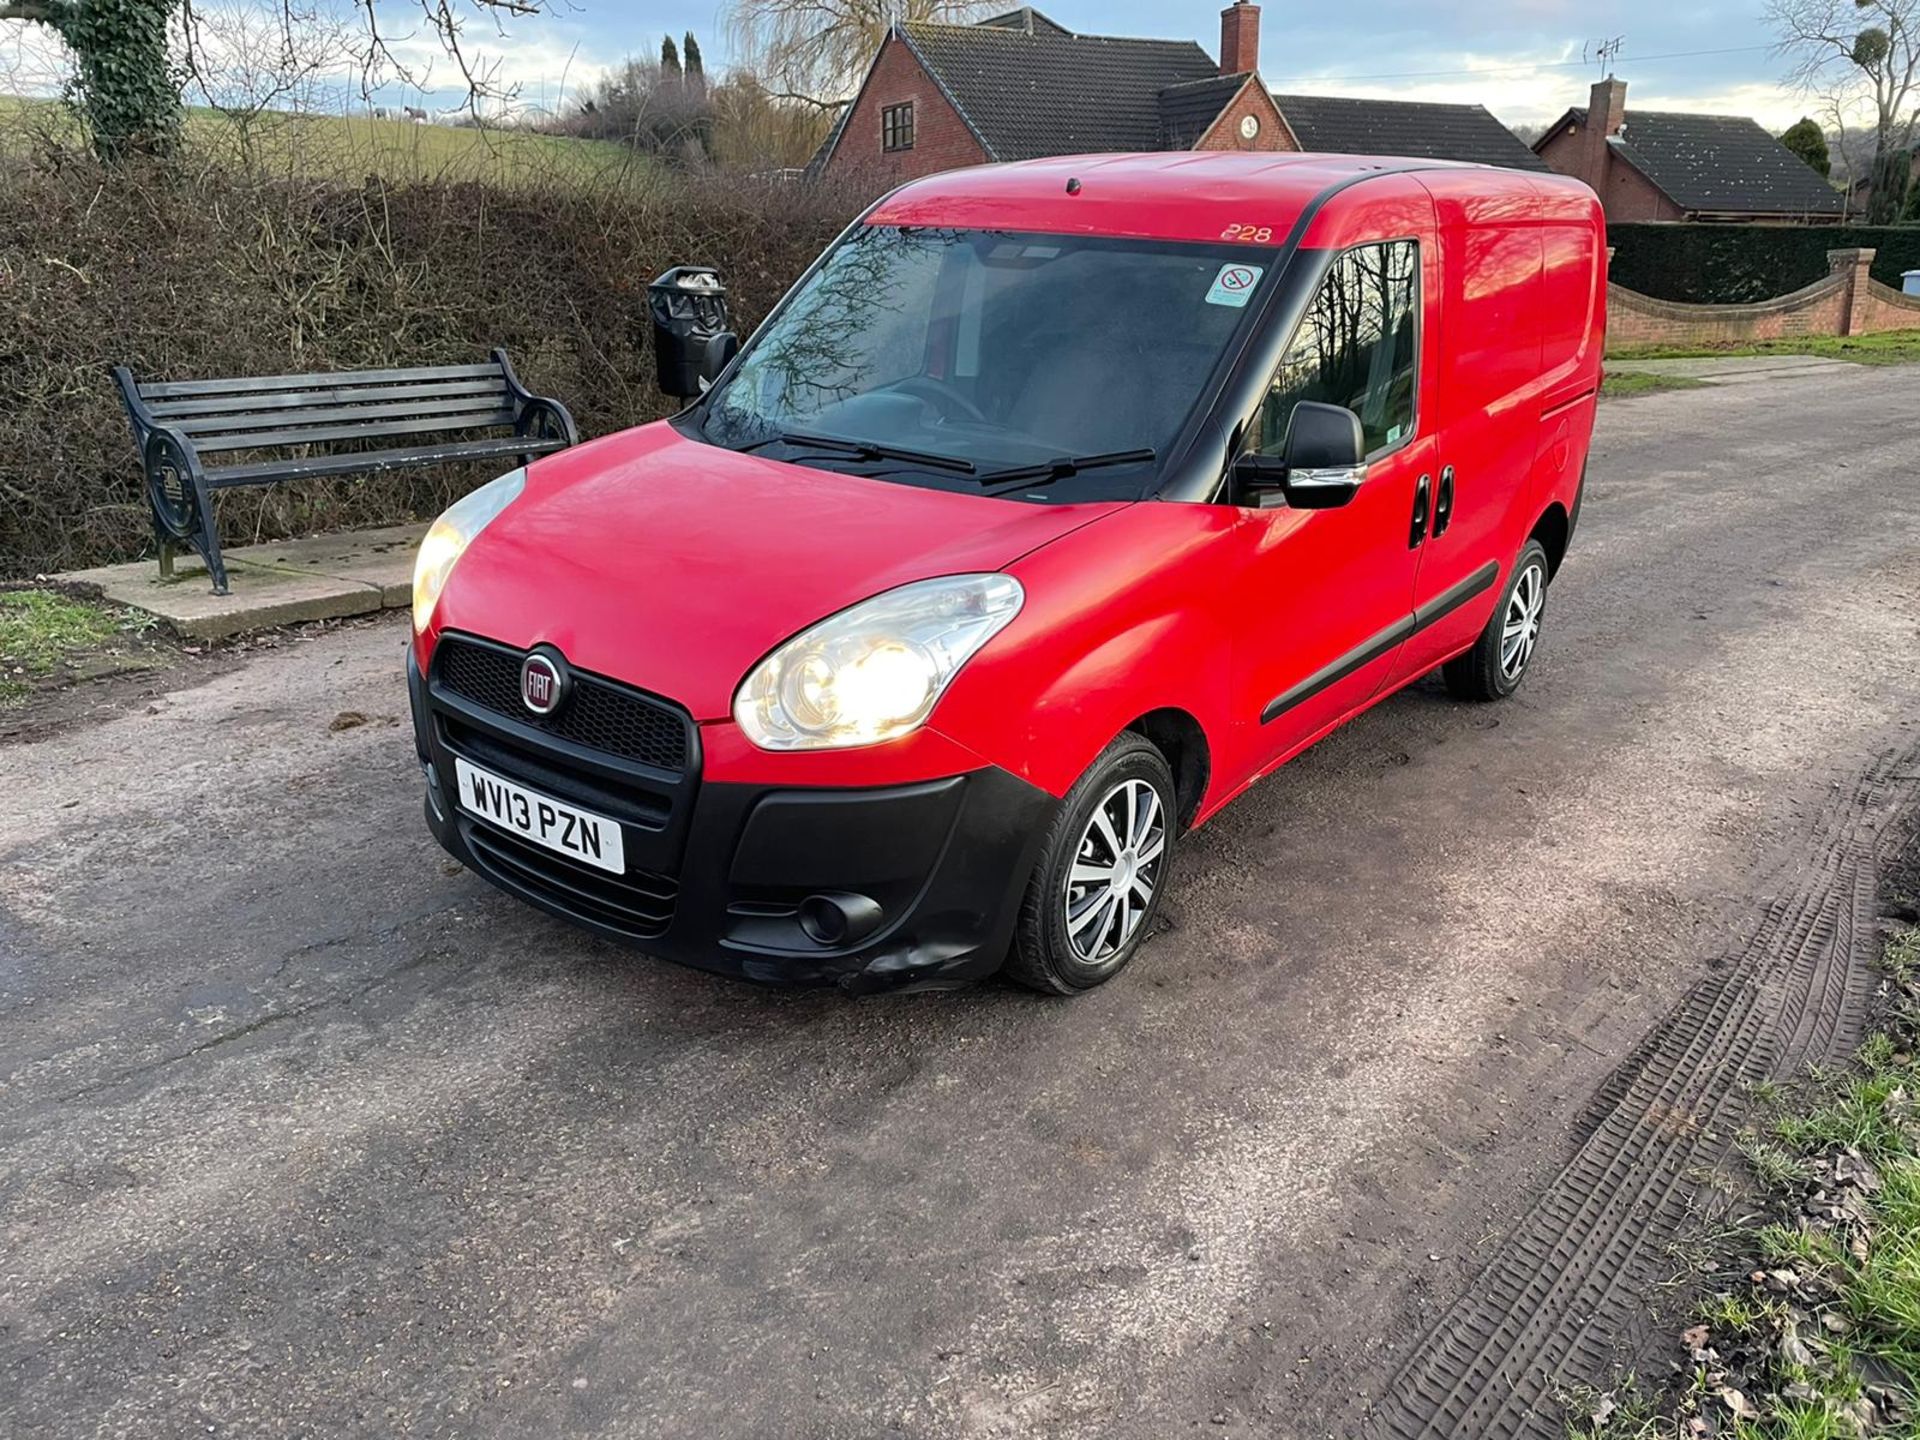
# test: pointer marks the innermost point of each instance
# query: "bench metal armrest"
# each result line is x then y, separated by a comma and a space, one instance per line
539, 416
137, 412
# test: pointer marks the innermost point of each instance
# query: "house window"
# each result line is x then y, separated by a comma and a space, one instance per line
896, 127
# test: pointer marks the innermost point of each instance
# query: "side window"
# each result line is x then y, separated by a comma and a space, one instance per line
1359, 346
896, 127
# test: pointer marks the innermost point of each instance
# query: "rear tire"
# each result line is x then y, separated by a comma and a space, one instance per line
1101, 873
1498, 661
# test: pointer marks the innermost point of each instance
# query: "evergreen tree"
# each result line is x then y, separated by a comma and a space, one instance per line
670, 57
1892, 173
1911, 214
1807, 140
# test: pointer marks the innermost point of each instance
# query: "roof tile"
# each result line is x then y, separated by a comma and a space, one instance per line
1029, 95
1415, 128
1725, 164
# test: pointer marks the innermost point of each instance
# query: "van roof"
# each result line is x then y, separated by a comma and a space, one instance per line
1188, 195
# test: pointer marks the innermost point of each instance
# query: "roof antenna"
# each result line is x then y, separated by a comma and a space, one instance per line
1073, 187
1603, 53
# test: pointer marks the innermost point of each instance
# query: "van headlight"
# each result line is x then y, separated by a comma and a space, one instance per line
448, 538
875, 671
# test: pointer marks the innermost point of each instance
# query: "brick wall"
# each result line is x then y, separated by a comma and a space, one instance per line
1848, 301
1885, 308
1254, 99
1636, 319
941, 139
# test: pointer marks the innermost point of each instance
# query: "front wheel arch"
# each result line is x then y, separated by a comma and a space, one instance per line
1178, 736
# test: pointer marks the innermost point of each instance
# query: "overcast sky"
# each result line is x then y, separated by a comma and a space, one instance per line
1519, 58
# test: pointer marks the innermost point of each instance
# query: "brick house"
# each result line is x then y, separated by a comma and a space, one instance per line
1657, 165
1021, 87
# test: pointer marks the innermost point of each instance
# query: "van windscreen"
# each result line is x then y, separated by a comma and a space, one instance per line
996, 351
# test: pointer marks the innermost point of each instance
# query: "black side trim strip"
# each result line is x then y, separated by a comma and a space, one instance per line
1452, 598
1436, 609
1339, 670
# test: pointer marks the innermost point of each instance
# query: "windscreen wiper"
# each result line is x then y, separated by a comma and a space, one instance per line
867, 450
1045, 472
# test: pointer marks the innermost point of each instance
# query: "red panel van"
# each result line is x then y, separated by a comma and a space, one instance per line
1057, 504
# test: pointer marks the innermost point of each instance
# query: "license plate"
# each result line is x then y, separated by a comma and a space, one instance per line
564, 829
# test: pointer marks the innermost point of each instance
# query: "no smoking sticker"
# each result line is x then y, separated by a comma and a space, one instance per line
1233, 286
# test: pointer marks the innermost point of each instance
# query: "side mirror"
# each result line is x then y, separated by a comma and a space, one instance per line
1326, 456
1322, 469
693, 335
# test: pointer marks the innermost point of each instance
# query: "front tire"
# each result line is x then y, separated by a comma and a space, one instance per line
1102, 871
1497, 663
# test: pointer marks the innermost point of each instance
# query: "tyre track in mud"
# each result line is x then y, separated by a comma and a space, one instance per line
1568, 1287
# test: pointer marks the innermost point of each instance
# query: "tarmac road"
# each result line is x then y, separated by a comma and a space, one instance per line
301, 1134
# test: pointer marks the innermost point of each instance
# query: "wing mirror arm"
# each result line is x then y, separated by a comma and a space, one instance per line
1260, 482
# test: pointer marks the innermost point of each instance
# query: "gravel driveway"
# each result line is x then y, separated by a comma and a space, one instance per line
301, 1134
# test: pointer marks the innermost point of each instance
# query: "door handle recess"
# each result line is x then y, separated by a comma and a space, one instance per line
1422, 495
1443, 504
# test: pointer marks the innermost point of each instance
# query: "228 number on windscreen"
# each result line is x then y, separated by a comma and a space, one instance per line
1249, 234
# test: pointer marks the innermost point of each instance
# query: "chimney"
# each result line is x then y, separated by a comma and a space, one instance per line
1608, 104
1606, 117
1239, 38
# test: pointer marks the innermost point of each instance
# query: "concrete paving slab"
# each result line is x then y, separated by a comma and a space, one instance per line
323, 577
382, 558
262, 597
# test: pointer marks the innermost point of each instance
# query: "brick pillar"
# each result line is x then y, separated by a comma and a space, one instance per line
1852, 266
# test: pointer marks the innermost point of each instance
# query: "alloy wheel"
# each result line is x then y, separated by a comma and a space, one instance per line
1521, 627
1116, 869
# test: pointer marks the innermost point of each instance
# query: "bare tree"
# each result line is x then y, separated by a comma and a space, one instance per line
1859, 59
755, 133
816, 50
246, 61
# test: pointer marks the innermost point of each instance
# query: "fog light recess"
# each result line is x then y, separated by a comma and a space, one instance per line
837, 920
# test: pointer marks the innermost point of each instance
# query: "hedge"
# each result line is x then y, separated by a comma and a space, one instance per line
1736, 264
182, 274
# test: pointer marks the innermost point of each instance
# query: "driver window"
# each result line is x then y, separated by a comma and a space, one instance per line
1358, 346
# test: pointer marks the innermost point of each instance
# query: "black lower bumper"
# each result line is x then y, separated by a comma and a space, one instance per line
870, 889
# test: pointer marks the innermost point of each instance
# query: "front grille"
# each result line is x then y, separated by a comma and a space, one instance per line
601, 714
639, 903
633, 803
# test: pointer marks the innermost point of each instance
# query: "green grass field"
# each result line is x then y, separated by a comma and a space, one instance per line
356, 146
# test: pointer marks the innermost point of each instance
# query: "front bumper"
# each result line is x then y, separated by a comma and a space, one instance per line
719, 875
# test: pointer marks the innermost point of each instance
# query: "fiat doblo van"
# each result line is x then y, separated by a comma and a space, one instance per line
1057, 504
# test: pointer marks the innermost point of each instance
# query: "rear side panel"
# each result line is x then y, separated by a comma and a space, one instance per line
1573, 301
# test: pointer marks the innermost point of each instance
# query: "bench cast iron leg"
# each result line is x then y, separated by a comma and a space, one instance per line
207, 542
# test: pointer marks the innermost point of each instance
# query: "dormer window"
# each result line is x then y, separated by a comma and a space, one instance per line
896, 127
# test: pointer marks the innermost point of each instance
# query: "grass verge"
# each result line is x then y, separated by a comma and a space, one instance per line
45, 635
1638, 382
1890, 347
1820, 1338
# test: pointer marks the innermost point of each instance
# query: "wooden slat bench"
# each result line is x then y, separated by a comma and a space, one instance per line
286, 427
